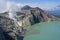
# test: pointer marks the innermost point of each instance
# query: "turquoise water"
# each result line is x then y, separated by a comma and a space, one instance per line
44, 31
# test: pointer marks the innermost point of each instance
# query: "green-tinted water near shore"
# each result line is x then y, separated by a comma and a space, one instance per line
44, 31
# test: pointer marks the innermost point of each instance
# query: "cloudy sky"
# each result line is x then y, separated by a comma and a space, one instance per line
44, 4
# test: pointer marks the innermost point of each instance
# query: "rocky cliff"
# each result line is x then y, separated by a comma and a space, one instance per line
42, 15
11, 30
29, 16
37, 15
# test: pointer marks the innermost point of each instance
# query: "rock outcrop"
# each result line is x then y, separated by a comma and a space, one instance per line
29, 16
11, 30
41, 15
37, 15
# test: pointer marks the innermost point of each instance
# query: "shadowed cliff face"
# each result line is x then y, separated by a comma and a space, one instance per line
2, 37
35, 18
39, 15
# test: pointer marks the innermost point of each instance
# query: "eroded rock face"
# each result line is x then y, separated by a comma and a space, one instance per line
38, 15
41, 15
29, 16
11, 30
